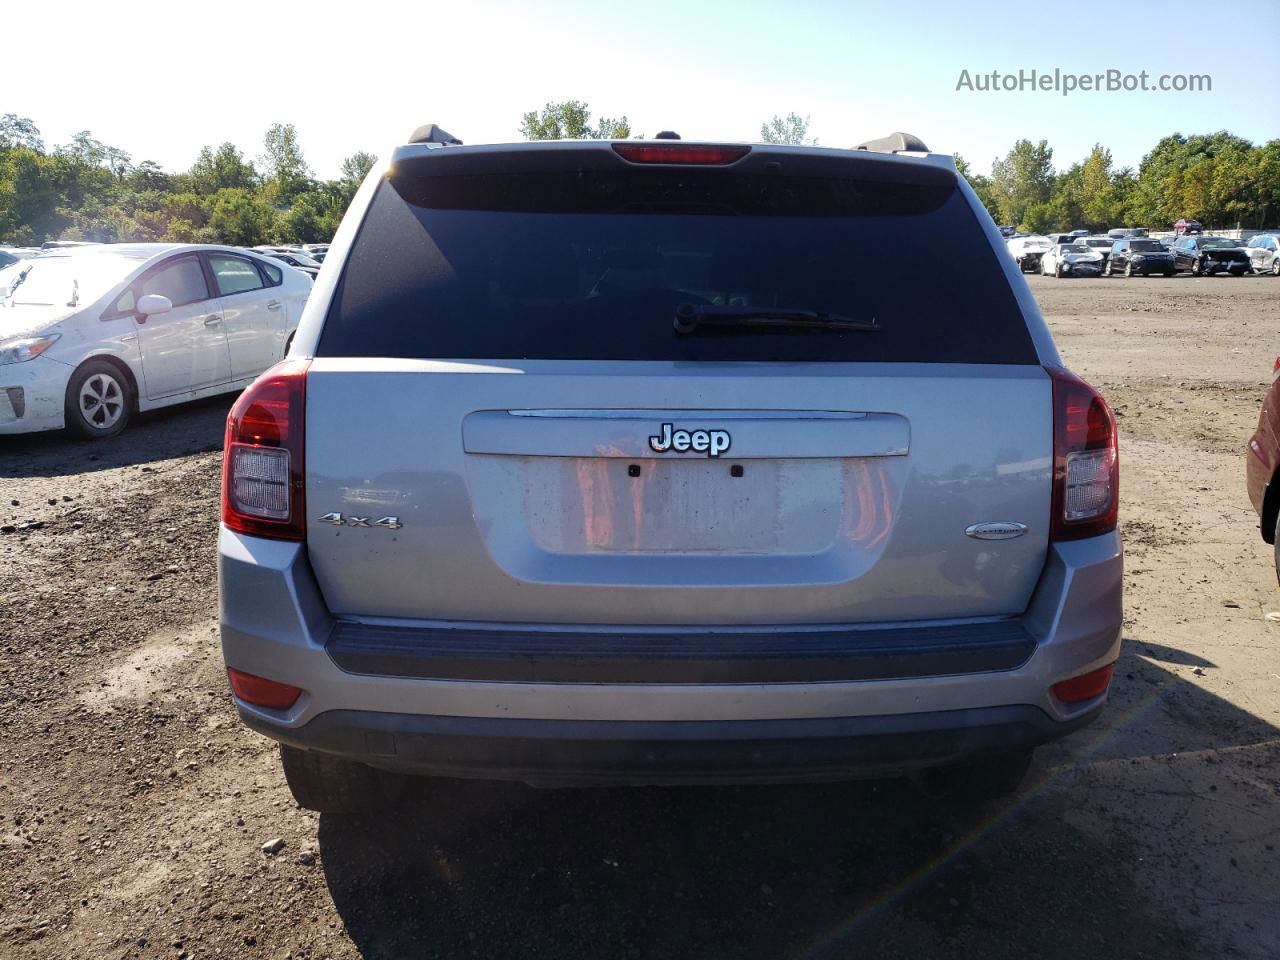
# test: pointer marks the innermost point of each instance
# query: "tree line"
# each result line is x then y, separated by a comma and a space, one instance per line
1222, 180
88, 190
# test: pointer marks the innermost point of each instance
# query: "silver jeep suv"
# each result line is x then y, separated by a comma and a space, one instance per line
666, 462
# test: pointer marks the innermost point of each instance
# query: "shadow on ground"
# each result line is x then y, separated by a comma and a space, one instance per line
845, 870
176, 431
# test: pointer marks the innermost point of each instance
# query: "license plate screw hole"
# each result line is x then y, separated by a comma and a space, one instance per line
735, 470
633, 470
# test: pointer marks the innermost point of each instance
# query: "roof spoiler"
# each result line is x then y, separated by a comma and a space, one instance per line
433, 133
895, 143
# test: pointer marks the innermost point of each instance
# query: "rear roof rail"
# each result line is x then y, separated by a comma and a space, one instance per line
895, 143
433, 133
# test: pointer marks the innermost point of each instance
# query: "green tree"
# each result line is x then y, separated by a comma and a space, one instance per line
357, 166
29, 196
1022, 178
791, 129
611, 128
239, 217
571, 120
221, 169
287, 172
1101, 205
312, 218
16, 131
148, 176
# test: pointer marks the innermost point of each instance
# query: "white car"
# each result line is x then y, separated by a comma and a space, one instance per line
1071, 260
1264, 254
91, 335
1027, 251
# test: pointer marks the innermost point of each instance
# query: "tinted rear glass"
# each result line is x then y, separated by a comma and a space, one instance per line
593, 263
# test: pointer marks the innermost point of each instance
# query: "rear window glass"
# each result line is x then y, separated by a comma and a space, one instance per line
593, 264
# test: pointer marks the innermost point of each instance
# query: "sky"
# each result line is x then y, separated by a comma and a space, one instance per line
161, 80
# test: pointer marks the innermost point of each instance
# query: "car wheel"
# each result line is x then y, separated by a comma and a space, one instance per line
1106, 269
1057, 270
1128, 269
331, 784
99, 401
1196, 269
1275, 267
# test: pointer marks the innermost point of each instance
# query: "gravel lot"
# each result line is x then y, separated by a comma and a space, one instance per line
133, 806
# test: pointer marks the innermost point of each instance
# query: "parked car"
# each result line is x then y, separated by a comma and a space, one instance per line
1071, 260
1141, 256
1184, 227
299, 261
1100, 245
1262, 466
1061, 237
311, 249
91, 335
593, 486
1080, 233
1027, 251
1119, 233
1264, 254
1205, 256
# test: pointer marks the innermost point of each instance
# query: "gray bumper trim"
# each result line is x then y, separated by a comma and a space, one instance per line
742, 751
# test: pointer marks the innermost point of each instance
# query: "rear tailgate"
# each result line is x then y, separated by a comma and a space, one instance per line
517, 501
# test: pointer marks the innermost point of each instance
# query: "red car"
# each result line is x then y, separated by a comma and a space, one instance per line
1185, 226
1262, 465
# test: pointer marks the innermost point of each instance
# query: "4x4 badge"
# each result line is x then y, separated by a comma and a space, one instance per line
711, 442
338, 520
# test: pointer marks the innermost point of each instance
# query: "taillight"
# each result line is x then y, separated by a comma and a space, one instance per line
262, 692
262, 469
680, 153
1086, 460
1086, 686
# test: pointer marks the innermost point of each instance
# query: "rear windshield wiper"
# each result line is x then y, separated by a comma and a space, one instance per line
690, 316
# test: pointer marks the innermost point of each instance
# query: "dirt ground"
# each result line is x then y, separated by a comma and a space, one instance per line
133, 805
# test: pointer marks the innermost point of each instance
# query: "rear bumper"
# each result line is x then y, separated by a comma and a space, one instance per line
274, 624
583, 753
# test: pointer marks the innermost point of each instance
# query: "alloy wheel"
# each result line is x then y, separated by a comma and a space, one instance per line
101, 401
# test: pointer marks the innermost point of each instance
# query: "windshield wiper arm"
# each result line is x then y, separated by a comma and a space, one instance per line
690, 316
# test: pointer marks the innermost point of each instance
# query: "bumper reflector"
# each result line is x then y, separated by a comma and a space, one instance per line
262, 692
1086, 686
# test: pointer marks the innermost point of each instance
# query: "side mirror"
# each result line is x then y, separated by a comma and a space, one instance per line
153, 304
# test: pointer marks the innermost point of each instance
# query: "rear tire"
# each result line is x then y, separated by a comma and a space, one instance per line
330, 784
99, 401
979, 779
1128, 269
